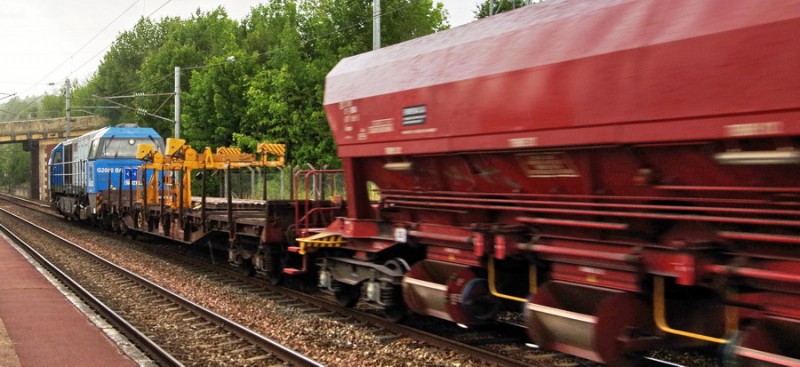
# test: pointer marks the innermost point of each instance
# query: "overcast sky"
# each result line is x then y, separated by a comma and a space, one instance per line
46, 41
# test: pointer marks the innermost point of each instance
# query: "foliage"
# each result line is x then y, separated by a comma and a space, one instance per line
303, 41
15, 165
272, 90
484, 9
120, 73
18, 108
51, 106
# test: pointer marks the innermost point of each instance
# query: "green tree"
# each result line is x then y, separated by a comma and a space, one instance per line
215, 105
302, 41
15, 166
51, 105
485, 8
19, 108
120, 71
189, 44
271, 91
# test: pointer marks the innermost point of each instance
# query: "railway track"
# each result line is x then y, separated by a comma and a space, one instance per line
171, 329
506, 348
434, 332
502, 344
471, 344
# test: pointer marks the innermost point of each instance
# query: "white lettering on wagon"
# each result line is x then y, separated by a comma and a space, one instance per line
552, 164
350, 115
523, 142
109, 170
589, 270
419, 131
392, 150
753, 129
381, 126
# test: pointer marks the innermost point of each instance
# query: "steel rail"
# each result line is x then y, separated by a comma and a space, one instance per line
435, 340
284, 353
374, 320
153, 350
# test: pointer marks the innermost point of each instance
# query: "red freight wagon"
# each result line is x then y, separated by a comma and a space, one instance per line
626, 170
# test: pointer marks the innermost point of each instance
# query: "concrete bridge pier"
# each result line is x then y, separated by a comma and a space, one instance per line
32, 146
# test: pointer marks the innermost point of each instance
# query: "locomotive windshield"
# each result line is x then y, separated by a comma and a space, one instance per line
120, 147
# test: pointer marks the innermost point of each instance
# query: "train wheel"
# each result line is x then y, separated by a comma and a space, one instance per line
392, 295
274, 273
246, 268
275, 278
766, 342
396, 313
139, 220
346, 295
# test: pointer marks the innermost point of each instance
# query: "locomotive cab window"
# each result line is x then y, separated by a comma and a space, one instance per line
123, 147
93, 148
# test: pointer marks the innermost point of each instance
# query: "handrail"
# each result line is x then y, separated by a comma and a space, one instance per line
493, 289
660, 315
308, 174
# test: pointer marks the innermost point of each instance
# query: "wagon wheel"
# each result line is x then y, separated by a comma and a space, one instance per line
273, 268
347, 295
140, 223
397, 311
246, 268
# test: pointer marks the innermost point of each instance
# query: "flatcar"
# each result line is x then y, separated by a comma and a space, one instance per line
79, 169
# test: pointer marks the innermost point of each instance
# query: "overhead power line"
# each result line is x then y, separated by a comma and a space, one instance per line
322, 36
112, 43
82, 47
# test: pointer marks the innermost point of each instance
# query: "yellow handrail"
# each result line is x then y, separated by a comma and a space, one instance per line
660, 315
531, 278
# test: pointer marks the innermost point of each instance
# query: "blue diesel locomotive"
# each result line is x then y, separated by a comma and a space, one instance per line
83, 167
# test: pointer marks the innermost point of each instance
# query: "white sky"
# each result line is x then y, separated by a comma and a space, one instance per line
46, 41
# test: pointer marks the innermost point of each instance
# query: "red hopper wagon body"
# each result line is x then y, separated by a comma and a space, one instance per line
626, 170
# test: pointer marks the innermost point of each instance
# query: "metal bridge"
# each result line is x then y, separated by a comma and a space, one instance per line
39, 137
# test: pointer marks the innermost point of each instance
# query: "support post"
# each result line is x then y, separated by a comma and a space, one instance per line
229, 196
376, 24
177, 102
203, 201
68, 107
